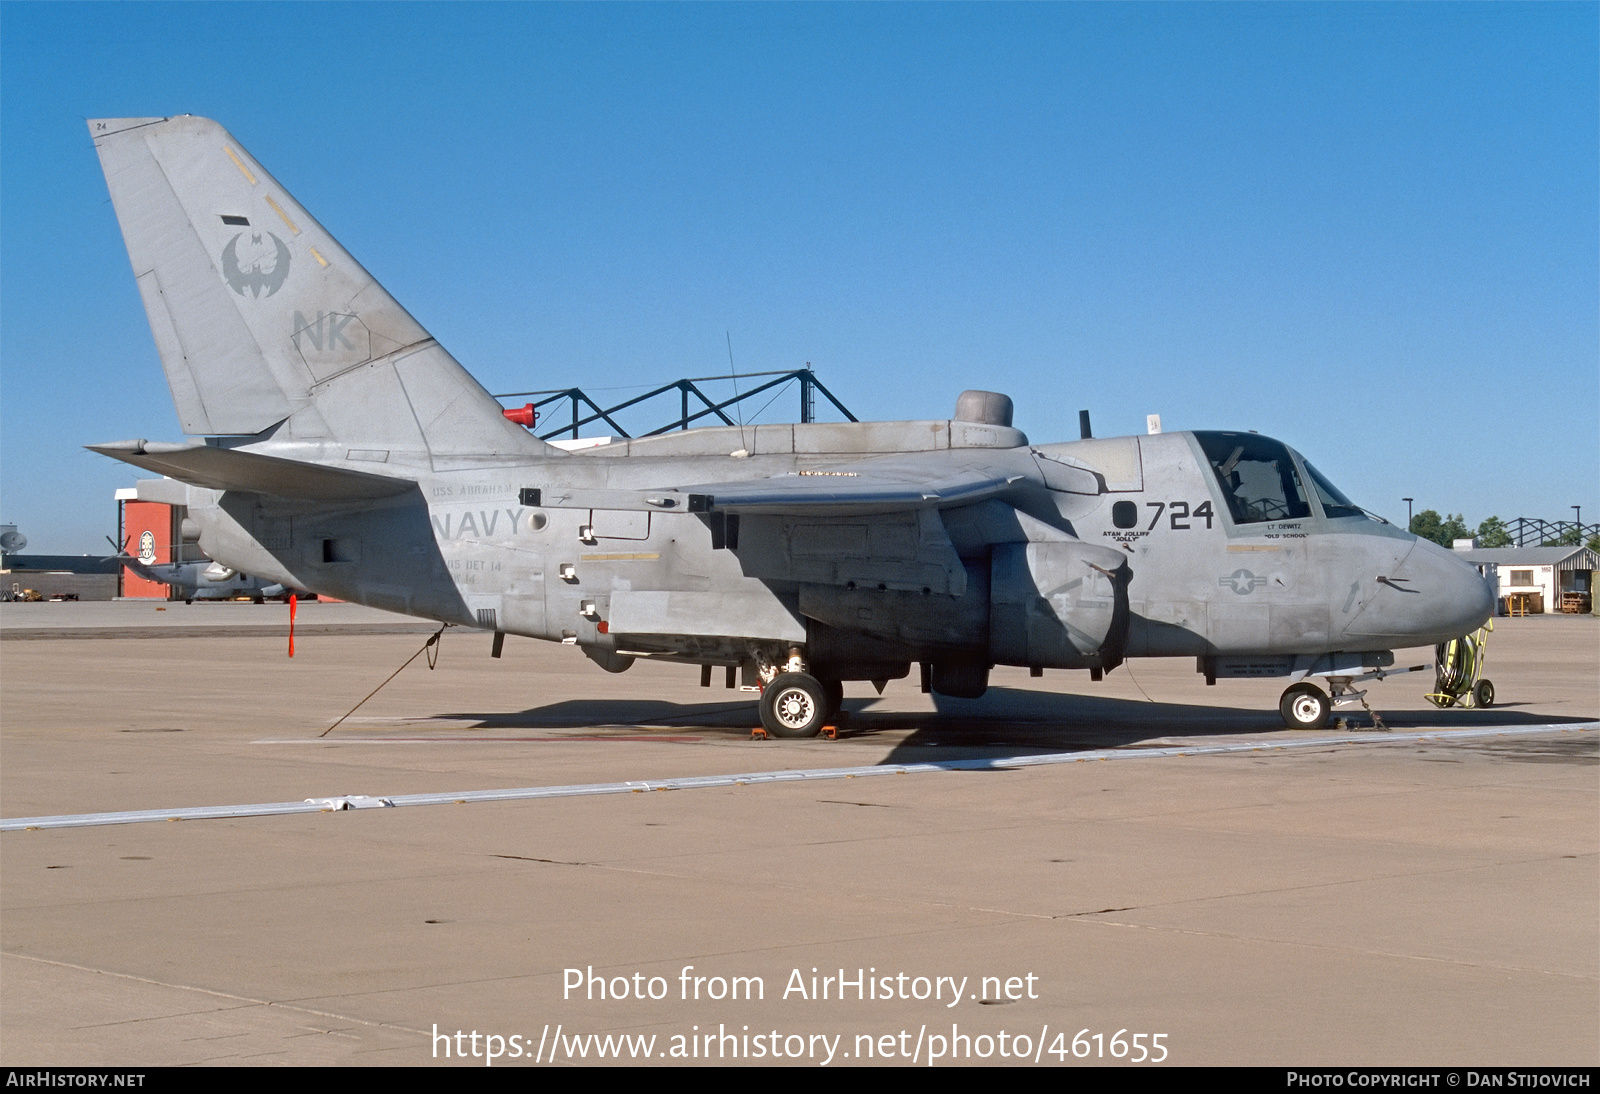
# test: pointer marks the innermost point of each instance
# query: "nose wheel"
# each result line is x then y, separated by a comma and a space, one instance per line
794, 705
1304, 706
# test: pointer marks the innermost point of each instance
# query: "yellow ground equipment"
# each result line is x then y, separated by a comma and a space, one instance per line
1458, 672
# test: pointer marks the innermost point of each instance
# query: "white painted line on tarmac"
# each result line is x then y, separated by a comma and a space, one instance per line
758, 778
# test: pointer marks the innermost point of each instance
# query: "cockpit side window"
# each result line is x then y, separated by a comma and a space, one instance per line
1334, 503
1257, 476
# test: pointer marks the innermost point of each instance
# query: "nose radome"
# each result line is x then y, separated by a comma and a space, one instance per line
1456, 597
1424, 597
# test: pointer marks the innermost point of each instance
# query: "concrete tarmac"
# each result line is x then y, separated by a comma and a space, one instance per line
1380, 901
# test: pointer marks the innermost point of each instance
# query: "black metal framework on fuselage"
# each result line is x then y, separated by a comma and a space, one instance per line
809, 387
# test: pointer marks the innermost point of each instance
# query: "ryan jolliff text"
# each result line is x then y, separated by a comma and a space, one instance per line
858, 985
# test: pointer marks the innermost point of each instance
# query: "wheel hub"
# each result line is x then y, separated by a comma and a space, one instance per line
793, 708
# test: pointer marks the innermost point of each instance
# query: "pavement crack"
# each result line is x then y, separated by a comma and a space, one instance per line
244, 1000
1365, 951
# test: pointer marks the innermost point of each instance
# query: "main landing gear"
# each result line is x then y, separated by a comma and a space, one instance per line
796, 704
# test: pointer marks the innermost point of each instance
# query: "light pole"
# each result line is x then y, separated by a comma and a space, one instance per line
1408, 513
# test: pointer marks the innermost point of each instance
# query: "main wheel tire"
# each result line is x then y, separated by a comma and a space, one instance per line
1483, 694
1304, 706
794, 705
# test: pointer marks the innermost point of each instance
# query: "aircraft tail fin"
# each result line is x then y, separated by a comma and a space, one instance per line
261, 317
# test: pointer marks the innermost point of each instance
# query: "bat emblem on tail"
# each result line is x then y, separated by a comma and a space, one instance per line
267, 267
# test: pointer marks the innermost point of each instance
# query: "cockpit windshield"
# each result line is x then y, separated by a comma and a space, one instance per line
1334, 503
1257, 476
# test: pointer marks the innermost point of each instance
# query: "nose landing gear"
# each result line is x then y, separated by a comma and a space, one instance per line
1304, 706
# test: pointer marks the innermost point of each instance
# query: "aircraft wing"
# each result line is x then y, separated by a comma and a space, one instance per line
826, 493
231, 469
888, 486
872, 524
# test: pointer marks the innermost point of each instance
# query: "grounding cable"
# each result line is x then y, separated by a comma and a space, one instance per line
433, 659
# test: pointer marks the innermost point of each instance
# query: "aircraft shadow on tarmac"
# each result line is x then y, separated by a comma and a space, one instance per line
1004, 721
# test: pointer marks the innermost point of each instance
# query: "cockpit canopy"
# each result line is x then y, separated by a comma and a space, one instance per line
1260, 480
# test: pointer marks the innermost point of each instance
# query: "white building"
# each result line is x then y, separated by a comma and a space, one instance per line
1552, 578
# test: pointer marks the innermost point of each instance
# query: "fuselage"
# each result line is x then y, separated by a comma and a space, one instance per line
1230, 548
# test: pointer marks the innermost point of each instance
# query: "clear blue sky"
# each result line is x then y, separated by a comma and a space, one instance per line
1369, 230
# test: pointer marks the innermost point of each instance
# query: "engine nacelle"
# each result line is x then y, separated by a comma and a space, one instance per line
1058, 605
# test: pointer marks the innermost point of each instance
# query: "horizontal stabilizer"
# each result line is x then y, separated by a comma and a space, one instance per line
231, 469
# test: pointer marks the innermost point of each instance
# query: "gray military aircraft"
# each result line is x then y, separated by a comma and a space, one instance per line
204, 580
346, 452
